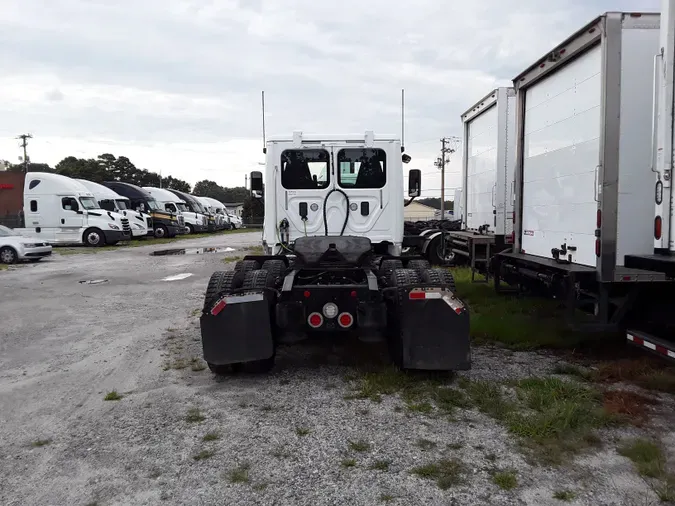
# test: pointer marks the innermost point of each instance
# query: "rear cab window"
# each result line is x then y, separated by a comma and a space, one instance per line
362, 168
305, 169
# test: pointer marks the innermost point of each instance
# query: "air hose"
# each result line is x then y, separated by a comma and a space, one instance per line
325, 221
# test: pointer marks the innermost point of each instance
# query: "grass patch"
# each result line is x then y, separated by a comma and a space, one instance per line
489, 399
197, 364
204, 454
229, 260
359, 446
302, 431
647, 457
447, 473
4, 267
211, 436
645, 372
112, 396
506, 480
516, 323
194, 416
259, 487
423, 407
572, 370
280, 452
564, 495
177, 364
380, 465
239, 474
347, 463
425, 444
455, 446
627, 404
38, 443
387, 497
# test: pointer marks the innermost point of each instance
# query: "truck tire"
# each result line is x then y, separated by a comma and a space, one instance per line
435, 254
276, 268
388, 266
93, 237
402, 277
419, 265
190, 228
161, 232
246, 265
438, 277
220, 282
8, 255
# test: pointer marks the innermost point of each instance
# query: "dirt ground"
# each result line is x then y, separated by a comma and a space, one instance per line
176, 434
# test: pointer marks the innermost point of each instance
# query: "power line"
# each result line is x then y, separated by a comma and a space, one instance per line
24, 143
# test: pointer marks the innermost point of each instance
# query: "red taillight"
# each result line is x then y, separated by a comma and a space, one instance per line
417, 295
658, 224
353, 294
511, 238
345, 320
598, 218
315, 320
307, 294
597, 248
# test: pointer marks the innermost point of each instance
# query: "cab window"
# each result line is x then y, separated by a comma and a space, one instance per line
170, 208
304, 169
69, 204
362, 168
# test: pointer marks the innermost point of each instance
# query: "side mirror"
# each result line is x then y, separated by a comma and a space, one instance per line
406, 158
256, 181
414, 183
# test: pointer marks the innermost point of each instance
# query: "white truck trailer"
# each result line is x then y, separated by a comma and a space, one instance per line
584, 182
488, 163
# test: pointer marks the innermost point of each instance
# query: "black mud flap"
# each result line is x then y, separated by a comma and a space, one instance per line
237, 329
434, 326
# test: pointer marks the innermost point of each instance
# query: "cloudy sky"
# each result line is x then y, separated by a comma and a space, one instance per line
175, 84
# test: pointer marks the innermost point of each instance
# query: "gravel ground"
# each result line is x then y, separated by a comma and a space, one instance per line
282, 437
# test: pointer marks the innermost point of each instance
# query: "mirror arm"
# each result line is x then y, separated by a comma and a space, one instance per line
406, 204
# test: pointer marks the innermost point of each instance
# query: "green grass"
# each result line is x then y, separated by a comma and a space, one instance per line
112, 396
194, 416
380, 465
359, 446
204, 454
488, 398
425, 444
211, 436
4, 267
647, 456
239, 474
348, 463
38, 443
197, 364
447, 472
302, 431
564, 495
572, 370
387, 497
506, 480
423, 407
236, 258
516, 323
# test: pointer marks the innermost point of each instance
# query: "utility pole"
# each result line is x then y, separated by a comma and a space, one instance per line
448, 146
246, 181
24, 143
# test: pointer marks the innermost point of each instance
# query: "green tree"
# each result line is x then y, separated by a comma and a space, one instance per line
253, 212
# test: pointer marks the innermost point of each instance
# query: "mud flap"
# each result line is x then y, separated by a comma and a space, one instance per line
237, 329
434, 326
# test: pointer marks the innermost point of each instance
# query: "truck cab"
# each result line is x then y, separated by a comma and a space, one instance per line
197, 218
163, 223
217, 209
170, 202
60, 210
111, 201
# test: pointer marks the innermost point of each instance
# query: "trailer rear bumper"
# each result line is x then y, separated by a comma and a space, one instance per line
651, 343
294, 316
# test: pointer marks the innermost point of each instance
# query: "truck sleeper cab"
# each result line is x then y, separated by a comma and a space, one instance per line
170, 202
196, 218
163, 223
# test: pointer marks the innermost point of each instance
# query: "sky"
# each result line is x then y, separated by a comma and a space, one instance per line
175, 84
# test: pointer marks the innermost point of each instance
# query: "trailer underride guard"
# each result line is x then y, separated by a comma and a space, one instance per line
333, 284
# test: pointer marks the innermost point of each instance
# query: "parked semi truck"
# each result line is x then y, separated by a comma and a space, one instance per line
170, 202
201, 215
217, 209
57, 210
111, 201
332, 241
587, 177
163, 223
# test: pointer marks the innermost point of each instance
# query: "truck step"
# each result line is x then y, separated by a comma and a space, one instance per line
659, 346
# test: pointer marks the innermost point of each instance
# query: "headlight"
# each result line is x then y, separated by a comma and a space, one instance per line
113, 226
29, 245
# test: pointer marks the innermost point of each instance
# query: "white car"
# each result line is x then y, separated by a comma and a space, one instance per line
15, 248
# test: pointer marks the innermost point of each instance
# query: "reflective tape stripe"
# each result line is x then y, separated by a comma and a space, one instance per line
238, 299
654, 347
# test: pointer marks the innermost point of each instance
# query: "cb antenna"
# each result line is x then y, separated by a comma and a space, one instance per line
263, 123
402, 120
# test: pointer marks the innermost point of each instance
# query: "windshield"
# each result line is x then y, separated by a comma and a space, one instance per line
121, 204
182, 207
89, 203
7, 232
304, 169
152, 204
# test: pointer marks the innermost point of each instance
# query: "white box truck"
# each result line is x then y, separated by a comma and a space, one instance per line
584, 189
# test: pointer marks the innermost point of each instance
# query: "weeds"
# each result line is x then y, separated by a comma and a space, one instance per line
239, 474
645, 372
259, 487
647, 457
211, 436
387, 497
506, 480
446, 473
280, 452
488, 398
423, 407
455, 446
564, 495
197, 365
380, 465
359, 446
347, 463
112, 396
194, 416
302, 431
425, 444
629, 405
572, 370
204, 454
38, 443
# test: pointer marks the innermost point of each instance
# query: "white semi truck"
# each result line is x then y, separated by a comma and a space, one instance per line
174, 204
332, 240
59, 210
589, 159
111, 201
